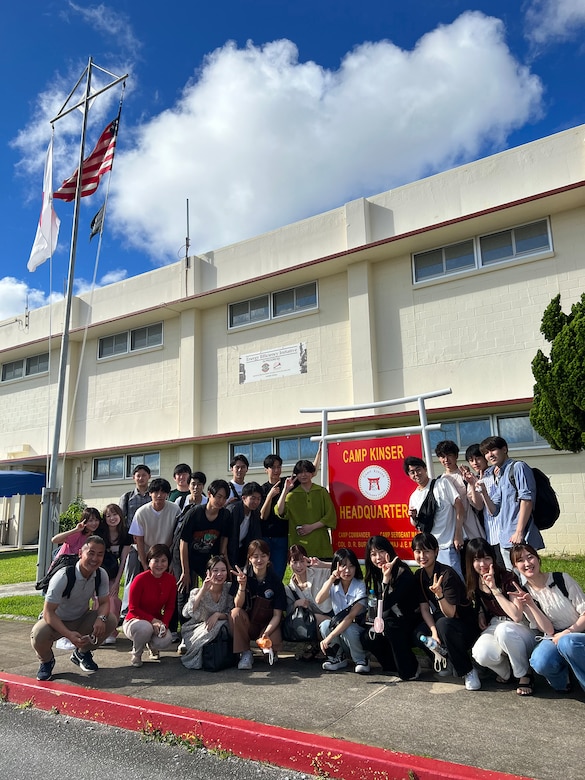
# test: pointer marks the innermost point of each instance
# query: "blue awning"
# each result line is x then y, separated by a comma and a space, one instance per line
22, 483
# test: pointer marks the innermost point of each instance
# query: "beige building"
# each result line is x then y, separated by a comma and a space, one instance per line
439, 283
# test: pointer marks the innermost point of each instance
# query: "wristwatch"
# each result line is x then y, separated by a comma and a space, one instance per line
103, 618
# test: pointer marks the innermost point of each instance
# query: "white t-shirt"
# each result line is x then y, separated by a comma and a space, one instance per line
445, 517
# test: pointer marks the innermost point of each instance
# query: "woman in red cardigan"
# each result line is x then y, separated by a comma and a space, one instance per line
151, 605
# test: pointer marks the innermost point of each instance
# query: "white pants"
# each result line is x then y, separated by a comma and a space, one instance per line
142, 633
505, 644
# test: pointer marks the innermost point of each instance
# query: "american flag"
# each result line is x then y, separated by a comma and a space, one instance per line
93, 168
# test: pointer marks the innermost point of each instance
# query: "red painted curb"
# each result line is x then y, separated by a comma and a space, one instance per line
296, 750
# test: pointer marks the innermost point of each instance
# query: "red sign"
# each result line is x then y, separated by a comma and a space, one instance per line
370, 491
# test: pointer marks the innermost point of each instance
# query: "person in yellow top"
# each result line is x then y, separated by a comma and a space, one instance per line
309, 510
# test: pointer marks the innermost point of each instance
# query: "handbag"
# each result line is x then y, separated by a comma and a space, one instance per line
300, 625
219, 653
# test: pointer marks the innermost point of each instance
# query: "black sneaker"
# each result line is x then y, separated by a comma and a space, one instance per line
84, 661
45, 672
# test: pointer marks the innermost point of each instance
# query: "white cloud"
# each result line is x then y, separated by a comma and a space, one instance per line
554, 20
259, 139
114, 25
81, 286
14, 294
32, 140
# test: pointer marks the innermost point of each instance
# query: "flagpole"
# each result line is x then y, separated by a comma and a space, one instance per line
50, 498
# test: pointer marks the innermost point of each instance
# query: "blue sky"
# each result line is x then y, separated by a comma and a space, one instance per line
264, 112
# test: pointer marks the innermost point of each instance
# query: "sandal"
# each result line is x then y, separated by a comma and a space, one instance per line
525, 688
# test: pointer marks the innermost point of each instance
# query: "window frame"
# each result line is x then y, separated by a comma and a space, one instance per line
272, 313
25, 367
478, 253
129, 337
126, 467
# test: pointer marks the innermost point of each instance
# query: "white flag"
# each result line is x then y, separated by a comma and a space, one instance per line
48, 229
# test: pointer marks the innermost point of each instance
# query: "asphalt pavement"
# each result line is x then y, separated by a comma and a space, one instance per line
491, 729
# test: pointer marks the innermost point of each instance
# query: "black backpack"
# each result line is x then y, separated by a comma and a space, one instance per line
546, 509
64, 562
425, 517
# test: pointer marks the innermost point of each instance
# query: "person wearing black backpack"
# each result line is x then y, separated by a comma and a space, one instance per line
67, 613
512, 500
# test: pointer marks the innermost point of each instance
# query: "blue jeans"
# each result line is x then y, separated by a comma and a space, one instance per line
450, 557
350, 641
278, 554
553, 661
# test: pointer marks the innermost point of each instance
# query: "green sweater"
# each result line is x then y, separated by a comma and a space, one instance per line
304, 507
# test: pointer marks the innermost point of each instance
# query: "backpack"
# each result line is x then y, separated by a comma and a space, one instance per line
546, 509
59, 563
559, 581
69, 567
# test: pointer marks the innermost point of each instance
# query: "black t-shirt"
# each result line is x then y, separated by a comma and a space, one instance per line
453, 591
274, 527
270, 588
203, 536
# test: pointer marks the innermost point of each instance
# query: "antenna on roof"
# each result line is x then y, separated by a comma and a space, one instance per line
187, 242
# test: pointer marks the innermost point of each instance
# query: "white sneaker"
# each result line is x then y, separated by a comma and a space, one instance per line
335, 664
109, 640
472, 681
246, 660
362, 668
182, 648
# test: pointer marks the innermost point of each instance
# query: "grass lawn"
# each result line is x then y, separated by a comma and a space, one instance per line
18, 566
22, 606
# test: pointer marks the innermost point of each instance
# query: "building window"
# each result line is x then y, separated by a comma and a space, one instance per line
516, 430
121, 466
519, 241
463, 432
299, 448
294, 300
17, 369
447, 260
150, 459
108, 468
140, 338
255, 451
143, 338
278, 304
505, 245
247, 312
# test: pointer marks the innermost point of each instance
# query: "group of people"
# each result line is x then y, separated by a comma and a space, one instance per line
473, 603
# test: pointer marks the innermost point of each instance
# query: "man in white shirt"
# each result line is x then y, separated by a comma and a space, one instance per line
154, 522
449, 515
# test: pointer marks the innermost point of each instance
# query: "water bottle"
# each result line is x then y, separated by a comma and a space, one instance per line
432, 644
372, 607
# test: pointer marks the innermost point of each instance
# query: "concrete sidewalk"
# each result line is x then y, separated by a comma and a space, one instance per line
492, 729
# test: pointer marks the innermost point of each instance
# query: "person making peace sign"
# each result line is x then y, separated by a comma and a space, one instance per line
447, 613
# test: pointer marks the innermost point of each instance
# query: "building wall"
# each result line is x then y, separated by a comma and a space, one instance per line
375, 334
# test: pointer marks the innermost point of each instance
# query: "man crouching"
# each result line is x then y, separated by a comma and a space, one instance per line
66, 612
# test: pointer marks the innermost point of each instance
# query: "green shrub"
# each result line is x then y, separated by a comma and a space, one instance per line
69, 519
